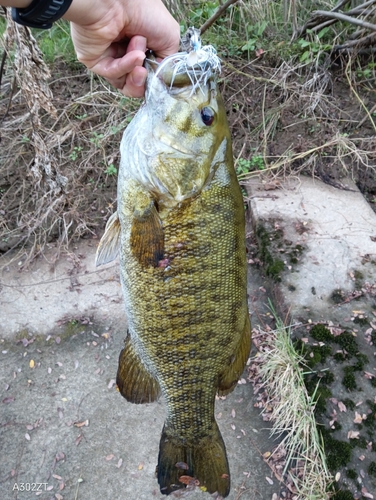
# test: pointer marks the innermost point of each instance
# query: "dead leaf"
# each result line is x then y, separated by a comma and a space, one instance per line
365, 493
358, 418
188, 480
59, 456
233, 413
110, 457
140, 466
8, 400
31, 363
58, 496
81, 424
27, 436
353, 435
56, 476
341, 406
78, 439
270, 481
119, 463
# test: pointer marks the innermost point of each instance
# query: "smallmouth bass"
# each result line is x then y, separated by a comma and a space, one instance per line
180, 232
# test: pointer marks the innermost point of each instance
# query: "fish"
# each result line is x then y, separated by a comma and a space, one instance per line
179, 230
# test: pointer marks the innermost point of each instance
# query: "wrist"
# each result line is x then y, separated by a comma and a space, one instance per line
86, 12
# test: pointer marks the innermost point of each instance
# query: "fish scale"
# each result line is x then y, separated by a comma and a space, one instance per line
181, 236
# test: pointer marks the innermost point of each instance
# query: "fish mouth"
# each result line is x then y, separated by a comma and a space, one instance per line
185, 69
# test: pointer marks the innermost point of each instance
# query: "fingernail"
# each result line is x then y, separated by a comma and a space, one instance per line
139, 79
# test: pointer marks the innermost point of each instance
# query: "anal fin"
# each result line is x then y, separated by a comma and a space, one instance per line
108, 247
135, 383
233, 371
147, 236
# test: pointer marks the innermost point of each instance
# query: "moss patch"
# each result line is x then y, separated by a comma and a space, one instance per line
318, 383
338, 453
352, 474
349, 378
347, 341
343, 495
370, 421
372, 469
349, 403
321, 333
273, 266
361, 321
338, 296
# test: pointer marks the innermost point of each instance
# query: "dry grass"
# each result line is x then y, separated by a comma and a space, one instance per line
298, 97
298, 460
59, 152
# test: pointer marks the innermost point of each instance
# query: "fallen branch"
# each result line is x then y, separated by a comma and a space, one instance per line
216, 15
318, 21
360, 42
345, 18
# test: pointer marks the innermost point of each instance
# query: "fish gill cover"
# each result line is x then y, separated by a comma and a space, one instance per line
197, 61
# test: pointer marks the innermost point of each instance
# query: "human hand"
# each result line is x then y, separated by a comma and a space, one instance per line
111, 38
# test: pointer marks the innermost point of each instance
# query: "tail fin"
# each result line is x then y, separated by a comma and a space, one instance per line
202, 463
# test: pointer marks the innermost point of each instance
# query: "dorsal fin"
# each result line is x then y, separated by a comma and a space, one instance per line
108, 247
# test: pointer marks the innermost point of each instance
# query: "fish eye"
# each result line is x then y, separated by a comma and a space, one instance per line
207, 115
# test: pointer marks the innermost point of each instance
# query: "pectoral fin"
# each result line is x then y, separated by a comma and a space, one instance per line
147, 236
108, 247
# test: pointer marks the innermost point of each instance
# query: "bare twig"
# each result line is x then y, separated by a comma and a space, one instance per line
317, 20
360, 42
345, 18
216, 15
